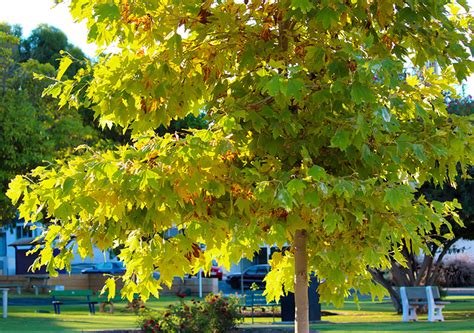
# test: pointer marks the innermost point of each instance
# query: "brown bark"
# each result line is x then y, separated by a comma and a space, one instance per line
437, 266
415, 275
378, 277
301, 282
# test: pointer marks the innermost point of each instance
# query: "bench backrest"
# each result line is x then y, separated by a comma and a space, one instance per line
435, 292
416, 293
253, 298
69, 293
428, 294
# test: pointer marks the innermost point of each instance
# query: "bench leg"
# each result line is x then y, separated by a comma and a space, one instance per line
435, 313
409, 313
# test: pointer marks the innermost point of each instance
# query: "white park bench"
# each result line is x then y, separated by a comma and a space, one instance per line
418, 297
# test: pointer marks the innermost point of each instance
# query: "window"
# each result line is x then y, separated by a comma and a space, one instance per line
251, 270
3, 245
263, 270
22, 232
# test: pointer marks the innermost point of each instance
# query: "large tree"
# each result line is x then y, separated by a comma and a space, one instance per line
316, 139
45, 45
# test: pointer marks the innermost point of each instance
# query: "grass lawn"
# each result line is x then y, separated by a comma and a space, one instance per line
367, 317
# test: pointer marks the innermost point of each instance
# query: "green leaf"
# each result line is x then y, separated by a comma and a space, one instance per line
63, 66
361, 93
341, 140
462, 72
317, 173
296, 186
419, 152
397, 197
285, 199
294, 89
107, 11
315, 57
217, 189
64, 211
273, 86
327, 16
311, 198
68, 185
303, 5
331, 221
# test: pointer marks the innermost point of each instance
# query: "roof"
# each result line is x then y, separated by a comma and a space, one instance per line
27, 241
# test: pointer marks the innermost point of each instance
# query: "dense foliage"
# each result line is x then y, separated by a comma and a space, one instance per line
428, 268
316, 138
32, 130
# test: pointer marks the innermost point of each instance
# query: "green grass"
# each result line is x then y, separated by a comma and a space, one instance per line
365, 317
73, 318
380, 317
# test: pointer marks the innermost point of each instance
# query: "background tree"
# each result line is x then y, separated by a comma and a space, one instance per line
424, 270
314, 139
45, 45
32, 130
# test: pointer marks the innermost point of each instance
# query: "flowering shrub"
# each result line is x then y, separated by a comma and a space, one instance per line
462, 106
214, 315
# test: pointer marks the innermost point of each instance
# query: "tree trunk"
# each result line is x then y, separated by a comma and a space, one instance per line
437, 266
301, 282
378, 277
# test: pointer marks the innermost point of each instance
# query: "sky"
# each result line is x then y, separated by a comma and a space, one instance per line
30, 13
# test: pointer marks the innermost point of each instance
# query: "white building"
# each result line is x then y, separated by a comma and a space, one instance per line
16, 240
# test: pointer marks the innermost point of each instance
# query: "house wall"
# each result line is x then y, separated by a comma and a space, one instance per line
95, 282
9, 235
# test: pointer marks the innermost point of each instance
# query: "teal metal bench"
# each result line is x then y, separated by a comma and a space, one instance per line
256, 300
418, 297
17, 286
65, 297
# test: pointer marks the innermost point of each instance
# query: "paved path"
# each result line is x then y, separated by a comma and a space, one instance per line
27, 301
460, 291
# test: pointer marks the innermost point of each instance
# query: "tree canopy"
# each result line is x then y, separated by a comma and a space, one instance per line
45, 45
424, 268
317, 138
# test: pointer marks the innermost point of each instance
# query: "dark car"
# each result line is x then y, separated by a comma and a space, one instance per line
253, 274
106, 267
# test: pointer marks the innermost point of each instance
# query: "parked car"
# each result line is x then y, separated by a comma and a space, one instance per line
253, 274
106, 267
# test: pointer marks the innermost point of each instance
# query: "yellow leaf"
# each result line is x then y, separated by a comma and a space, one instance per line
412, 80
